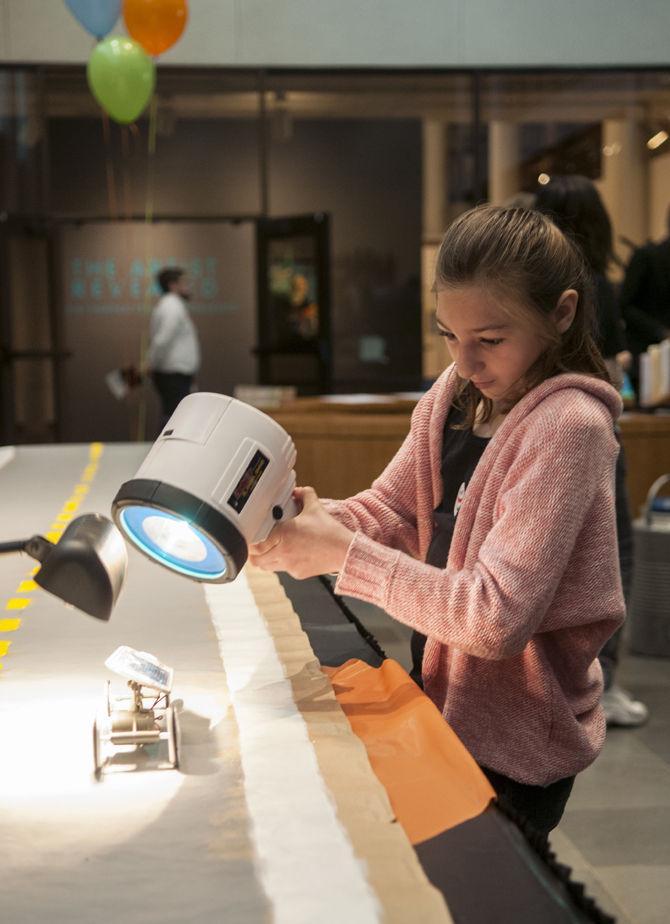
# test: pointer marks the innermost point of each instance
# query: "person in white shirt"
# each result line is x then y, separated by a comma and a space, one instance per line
173, 357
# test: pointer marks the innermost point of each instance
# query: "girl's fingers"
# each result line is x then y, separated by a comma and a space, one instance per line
306, 496
262, 548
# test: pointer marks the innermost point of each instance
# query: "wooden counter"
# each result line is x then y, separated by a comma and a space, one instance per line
342, 448
342, 453
646, 441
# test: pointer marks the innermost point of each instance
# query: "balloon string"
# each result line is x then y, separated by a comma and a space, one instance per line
148, 219
136, 136
153, 119
109, 167
126, 173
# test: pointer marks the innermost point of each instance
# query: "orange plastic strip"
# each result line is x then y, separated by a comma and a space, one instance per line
432, 781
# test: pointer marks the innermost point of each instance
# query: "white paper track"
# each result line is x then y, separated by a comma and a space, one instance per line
6, 455
305, 860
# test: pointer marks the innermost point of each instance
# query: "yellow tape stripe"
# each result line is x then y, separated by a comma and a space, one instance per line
89, 473
9, 625
70, 506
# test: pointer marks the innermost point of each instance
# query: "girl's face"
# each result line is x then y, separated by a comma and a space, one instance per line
491, 348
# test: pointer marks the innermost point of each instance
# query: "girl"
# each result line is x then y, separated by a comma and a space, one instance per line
492, 531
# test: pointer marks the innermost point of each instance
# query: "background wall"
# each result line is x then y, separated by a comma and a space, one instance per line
373, 33
107, 270
203, 167
366, 175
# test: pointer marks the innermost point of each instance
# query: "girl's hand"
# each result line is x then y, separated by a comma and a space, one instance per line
312, 543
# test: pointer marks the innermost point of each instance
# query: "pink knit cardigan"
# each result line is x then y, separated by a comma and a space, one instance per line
531, 590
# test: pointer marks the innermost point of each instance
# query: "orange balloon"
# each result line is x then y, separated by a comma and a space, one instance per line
155, 24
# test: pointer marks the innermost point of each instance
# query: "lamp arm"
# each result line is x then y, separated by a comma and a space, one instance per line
18, 546
37, 547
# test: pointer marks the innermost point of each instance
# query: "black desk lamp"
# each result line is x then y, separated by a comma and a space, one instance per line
85, 568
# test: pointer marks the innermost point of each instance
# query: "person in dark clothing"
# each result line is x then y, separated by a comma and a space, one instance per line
574, 204
645, 295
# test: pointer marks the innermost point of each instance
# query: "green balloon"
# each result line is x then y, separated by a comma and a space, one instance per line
121, 76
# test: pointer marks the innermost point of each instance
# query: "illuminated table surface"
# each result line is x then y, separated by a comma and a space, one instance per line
249, 827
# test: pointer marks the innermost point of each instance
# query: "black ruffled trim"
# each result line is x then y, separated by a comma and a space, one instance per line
540, 844
368, 636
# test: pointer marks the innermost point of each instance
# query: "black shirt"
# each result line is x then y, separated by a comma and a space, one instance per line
645, 295
611, 337
461, 451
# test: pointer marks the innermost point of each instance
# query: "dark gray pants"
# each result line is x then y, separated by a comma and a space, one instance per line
171, 388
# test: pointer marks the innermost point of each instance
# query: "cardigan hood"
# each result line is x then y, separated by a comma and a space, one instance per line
446, 386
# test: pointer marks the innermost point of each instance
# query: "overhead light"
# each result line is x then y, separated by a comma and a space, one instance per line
543, 179
657, 140
85, 568
218, 477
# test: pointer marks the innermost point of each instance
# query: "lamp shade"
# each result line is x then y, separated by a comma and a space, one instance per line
86, 568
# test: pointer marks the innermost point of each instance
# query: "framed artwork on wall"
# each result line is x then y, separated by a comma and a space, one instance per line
294, 338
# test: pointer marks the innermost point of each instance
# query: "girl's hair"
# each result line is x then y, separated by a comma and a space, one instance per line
522, 257
574, 204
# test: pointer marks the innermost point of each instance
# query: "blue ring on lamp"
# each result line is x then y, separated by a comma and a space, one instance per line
214, 564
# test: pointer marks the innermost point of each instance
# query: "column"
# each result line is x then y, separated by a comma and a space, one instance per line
623, 183
504, 159
433, 225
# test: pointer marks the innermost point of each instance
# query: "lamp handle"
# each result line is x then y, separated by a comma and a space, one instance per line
37, 547
18, 546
